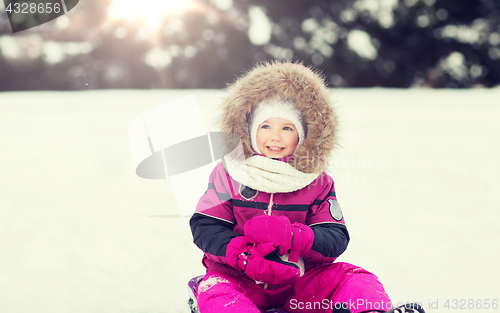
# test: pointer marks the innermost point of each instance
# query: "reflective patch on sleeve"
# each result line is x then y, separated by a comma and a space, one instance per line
248, 193
335, 210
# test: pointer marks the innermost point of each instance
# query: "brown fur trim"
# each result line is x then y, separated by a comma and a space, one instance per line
294, 82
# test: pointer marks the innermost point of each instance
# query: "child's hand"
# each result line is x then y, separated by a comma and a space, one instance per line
260, 262
296, 237
273, 229
302, 241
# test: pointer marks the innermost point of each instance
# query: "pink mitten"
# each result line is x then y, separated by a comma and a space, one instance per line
303, 238
260, 262
296, 237
274, 229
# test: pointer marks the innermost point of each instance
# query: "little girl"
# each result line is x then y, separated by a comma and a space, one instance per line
269, 223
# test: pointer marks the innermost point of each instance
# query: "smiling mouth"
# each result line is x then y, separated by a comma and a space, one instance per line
275, 148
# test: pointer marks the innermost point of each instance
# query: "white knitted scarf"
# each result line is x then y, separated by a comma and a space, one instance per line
265, 174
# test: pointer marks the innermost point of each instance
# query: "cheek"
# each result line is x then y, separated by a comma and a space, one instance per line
260, 138
293, 141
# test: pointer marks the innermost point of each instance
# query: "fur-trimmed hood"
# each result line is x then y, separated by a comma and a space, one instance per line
302, 86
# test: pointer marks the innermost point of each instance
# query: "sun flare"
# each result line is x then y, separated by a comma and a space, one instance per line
151, 12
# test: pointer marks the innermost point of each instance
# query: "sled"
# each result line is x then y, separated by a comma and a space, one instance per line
192, 283
193, 304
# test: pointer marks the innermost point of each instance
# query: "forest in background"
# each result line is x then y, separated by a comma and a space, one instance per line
362, 43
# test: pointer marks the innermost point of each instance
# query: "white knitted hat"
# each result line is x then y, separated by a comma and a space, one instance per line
275, 109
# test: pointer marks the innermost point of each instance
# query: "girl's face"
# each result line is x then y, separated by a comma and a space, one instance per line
277, 138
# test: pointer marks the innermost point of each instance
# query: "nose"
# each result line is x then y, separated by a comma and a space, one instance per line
276, 135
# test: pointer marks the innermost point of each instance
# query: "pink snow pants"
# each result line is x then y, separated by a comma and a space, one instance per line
320, 290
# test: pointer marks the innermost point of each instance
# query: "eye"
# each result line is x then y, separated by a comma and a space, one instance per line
287, 128
265, 126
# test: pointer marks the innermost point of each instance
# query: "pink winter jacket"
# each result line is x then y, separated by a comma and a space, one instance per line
226, 205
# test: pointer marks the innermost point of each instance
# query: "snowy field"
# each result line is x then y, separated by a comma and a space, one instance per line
417, 177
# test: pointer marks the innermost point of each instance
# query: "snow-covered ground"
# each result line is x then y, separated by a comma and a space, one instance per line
417, 178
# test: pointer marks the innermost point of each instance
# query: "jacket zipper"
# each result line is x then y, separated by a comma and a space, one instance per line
269, 212
270, 206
